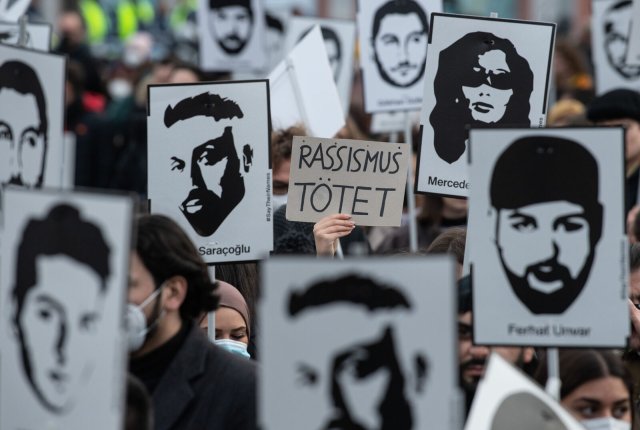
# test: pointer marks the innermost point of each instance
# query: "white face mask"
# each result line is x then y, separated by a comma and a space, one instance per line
607, 423
119, 88
136, 322
233, 346
279, 201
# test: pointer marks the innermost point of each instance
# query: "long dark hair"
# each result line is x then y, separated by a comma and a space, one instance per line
451, 115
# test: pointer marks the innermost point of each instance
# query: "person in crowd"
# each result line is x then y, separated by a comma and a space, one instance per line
451, 241
564, 112
622, 107
232, 324
139, 413
631, 356
595, 388
193, 383
472, 358
571, 74
435, 215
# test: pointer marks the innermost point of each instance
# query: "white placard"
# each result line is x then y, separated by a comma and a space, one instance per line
303, 90
38, 35
12, 10
232, 35
208, 165
362, 178
339, 39
64, 277
393, 48
481, 72
610, 28
373, 347
31, 117
390, 122
546, 237
507, 400
633, 50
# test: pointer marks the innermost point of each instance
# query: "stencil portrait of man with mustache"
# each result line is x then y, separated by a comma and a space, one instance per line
481, 80
548, 219
205, 162
231, 24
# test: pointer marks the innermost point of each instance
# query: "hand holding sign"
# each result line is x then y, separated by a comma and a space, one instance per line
328, 231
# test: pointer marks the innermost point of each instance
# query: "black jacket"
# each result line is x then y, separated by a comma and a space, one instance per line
204, 388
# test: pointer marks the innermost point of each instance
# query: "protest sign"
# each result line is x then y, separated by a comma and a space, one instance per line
364, 179
63, 282
12, 10
339, 39
546, 238
480, 72
393, 45
209, 167
32, 86
38, 35
611, 25
303, 90
633, 50
276, 30
232, 35
506, 399
374, 344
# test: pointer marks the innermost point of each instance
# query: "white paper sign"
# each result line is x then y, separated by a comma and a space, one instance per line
481, 72
339, 39
12, 10
508, 400
373, 348
38, 35
208, 165
390, 122
633, 51
362, 178
610, 43
546, 237
232, 35
393, 48
31, 117
303, 90
64, 277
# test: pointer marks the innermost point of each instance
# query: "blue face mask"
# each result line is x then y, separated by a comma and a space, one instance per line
233, 346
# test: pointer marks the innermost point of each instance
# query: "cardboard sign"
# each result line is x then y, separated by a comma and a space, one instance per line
611, 22
63, 282
364, 179
31, 117
393, 44
303, 90
209, 167
507, 400
633, 51
232, 35
374, 349
12, 10
546, 237
339, 38
38, 35
481, 72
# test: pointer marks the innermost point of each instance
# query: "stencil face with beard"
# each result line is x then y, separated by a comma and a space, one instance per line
206, 163
231, 24
548, 220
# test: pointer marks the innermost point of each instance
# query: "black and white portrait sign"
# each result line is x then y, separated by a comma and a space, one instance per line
209, 167
374, 348
481, 72
363, 178
303, 90
38, 35
232, 35
507, 400
276, 31
63, 283
611, 25
339, 39
31, 117
633, 50
546, 237
393, 37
